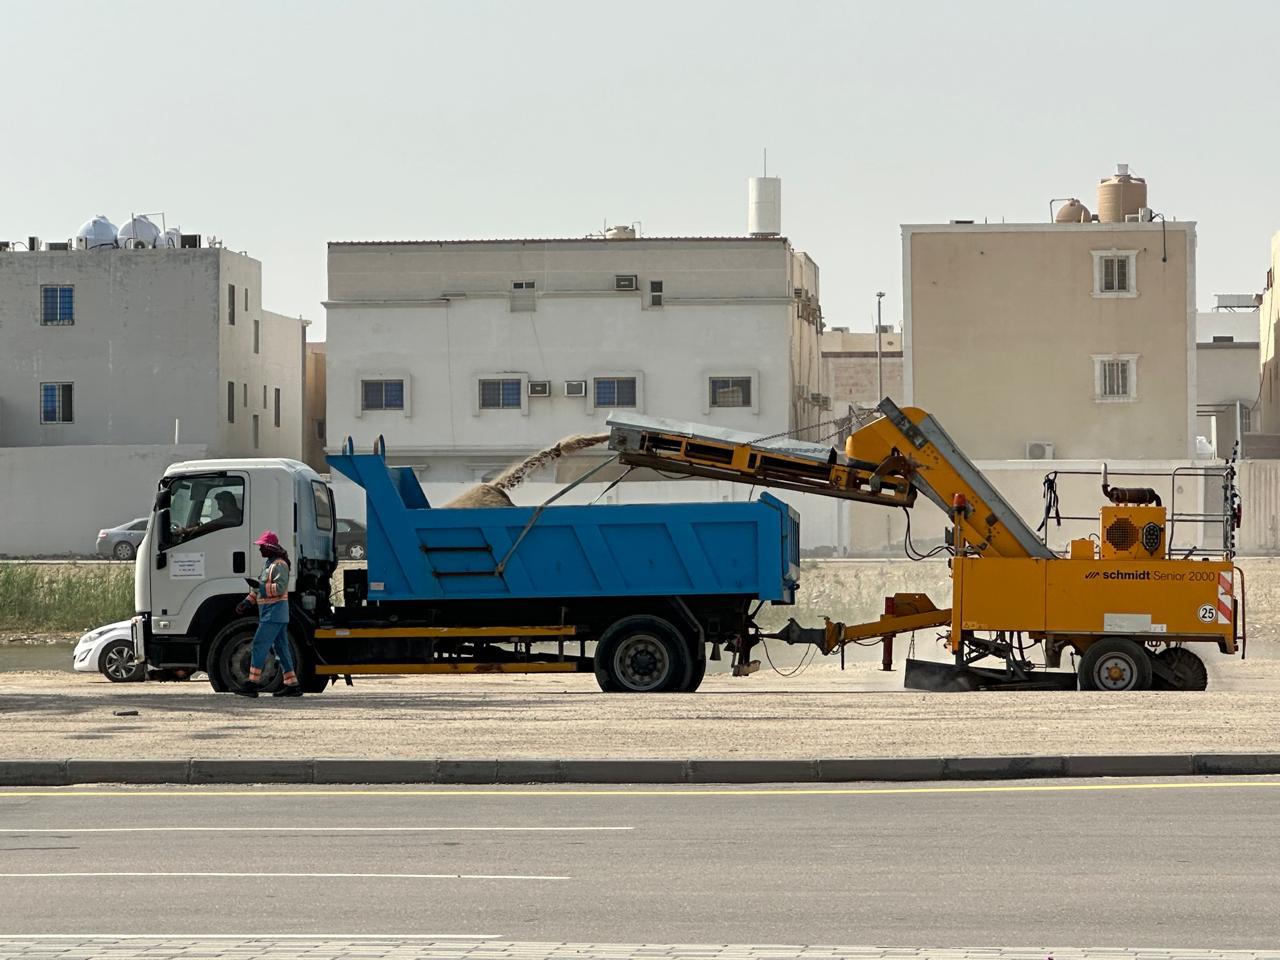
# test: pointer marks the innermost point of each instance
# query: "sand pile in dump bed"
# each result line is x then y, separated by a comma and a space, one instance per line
494, 492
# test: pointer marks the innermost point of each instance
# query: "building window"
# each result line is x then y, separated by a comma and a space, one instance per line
1221, 339
615, 391
320, 433
277, 407
381, 394
501, 394
1246, 420
655, 293
56, 403
246, 299
523, 296
245, 399
1113, 273
255, 431
730, 391
257, 326
1115, 379
57, 305
231, 304
231, 401
264, 396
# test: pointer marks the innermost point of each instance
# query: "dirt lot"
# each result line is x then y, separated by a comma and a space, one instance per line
824, 712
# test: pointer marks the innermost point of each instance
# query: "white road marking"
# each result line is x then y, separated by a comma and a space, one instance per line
340, 876
294, 829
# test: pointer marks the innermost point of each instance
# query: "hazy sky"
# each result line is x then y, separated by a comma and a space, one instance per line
280, 126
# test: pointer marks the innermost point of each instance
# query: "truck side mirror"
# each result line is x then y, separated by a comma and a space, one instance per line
164, 532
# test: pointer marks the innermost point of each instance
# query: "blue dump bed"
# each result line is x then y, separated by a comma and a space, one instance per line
667, 549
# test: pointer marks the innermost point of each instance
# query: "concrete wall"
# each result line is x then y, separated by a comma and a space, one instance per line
1002, 324
849, 367
443, 316
1268, 419
57, 498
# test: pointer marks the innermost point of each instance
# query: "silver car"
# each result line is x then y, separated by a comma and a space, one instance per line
121, 543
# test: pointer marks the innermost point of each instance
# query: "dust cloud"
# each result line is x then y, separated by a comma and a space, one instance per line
493, 493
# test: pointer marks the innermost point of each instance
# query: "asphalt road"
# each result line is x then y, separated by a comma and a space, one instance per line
1164, 864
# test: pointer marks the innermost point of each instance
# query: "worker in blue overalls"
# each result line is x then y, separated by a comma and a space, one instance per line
271, 597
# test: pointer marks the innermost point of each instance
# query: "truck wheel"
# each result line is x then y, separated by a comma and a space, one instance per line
1188, 670
1115, 664
231, 653
696, 674
642, 654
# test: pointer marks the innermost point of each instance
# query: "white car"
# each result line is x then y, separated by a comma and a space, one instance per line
109, 650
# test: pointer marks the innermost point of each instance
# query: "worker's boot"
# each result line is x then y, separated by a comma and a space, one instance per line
288, 690
249, 689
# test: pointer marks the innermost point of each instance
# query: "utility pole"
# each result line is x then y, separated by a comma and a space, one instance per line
879, 359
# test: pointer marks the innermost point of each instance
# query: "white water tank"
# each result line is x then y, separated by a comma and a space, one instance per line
764, 206
96, 233
620, 233
138, 232
170, 239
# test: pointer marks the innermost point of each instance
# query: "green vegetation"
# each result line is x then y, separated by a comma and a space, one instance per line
51, 598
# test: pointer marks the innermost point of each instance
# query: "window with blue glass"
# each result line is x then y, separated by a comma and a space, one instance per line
615, 391
57, 305
56, 403
381, 394
500, 394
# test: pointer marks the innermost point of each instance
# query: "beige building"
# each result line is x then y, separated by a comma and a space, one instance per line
1227, 370
313, 401
1268, 408
849, 374
1054, 340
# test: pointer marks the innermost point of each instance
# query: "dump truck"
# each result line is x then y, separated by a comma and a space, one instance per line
640, 595
643, 596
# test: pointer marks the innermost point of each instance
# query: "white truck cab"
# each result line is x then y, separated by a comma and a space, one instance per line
199, 548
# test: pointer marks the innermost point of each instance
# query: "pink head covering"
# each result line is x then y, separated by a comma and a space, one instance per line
268, 539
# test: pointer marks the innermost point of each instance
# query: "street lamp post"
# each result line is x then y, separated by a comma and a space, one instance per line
879, 359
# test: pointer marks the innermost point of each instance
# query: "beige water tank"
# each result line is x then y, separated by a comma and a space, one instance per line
1073, 211
1121, 196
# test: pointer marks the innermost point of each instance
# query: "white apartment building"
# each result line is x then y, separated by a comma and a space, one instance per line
1227, 374
466, 355
118, 358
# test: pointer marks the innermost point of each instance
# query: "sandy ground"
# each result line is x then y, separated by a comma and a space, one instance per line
823, 712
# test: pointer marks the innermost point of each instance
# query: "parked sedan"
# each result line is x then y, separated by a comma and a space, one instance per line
351, 539
109, 650
121, 543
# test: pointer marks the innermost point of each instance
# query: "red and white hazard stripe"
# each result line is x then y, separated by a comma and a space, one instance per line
1224, 598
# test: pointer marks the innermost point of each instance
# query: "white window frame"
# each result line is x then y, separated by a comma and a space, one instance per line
474, 387
595, 375
1132, 271
358, 392
1132, 360
709, 375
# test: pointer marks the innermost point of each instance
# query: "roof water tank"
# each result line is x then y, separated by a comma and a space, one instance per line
140, 230
620, 233
1121, 196
764, 206
1073, 211
95, 233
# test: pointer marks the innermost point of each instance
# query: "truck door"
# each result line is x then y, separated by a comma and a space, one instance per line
206, 548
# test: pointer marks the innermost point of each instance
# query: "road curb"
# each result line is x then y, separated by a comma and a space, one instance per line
57, 773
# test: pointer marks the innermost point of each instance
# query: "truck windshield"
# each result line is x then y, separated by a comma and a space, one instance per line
201, 504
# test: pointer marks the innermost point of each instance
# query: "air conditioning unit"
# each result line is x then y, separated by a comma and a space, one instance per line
539, 388
815, 399
627, 281
189, 241
58, 247
1039, 450
826, 402
575, 388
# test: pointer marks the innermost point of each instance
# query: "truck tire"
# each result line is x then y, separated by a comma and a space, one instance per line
696, 675
1188, 669
1115, 664
230, 653
642, 654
